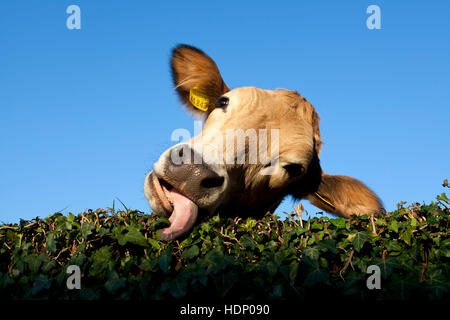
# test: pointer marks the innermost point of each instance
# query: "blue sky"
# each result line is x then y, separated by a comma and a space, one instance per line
85, 113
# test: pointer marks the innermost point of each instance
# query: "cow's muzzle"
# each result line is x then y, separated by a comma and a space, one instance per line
181, 184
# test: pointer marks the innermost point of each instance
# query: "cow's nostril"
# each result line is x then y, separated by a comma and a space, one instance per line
165, 184
212, 182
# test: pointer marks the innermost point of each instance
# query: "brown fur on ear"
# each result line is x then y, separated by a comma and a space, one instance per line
191, 68
345, 196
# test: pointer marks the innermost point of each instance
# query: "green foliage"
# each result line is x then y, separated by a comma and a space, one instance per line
122, 257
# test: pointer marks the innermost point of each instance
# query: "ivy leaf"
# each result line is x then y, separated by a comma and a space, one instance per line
178, 285
338, 222
386, 266
248, 242
311, 252
164, 260
225, 281
393, 245
406, 235
154, 243
316, 276
86, 229
316, 226
293, 271
328, 245
191, 252
393, 226
50, 244
42, 283
32, 262
290, 272
115, 282
359, 238
413, 222
133, 236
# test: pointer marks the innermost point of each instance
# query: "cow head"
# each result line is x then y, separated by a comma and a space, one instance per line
256, 147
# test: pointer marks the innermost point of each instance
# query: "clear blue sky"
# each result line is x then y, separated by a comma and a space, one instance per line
85, 113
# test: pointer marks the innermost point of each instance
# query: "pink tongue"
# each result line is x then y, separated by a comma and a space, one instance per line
183, 216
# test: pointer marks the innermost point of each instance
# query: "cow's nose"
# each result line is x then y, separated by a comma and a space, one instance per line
186, 172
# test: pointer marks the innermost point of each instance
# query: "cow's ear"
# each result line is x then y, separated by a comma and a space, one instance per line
197, 79
344, 196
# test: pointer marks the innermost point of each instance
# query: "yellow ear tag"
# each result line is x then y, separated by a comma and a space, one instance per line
198, 99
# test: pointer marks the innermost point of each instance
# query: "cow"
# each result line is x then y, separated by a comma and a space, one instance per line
185, 184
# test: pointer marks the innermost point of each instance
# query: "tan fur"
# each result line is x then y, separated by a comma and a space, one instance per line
308, 113
347, 195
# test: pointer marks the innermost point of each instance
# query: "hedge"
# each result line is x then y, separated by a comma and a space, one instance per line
121, 256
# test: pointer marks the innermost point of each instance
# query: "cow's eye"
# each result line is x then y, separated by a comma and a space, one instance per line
223, 102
